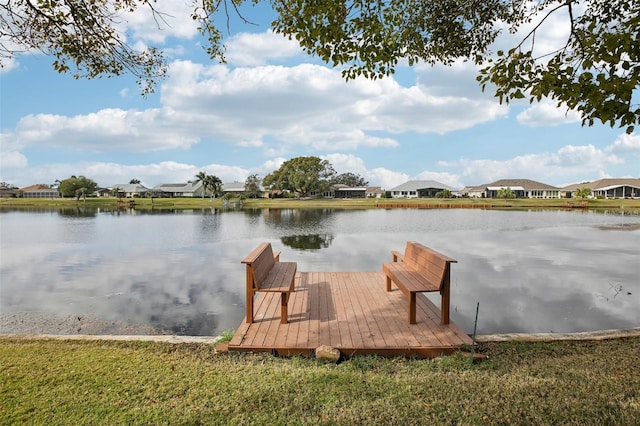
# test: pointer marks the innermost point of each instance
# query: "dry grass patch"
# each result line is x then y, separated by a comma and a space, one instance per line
87, 382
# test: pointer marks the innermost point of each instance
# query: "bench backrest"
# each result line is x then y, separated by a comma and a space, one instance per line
259, 263
434, 265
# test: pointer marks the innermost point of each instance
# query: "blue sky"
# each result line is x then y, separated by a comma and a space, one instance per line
271, 102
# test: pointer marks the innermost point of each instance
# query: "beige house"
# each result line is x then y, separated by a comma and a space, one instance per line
129, 190
39, 191
420, 189
607, 188
189, 190
522, 188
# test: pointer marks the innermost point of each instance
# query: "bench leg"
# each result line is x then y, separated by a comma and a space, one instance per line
444, 305
412, 308
249, 312
284, 301
388, 283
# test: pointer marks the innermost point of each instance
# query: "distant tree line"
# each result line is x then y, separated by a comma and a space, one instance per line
300, 176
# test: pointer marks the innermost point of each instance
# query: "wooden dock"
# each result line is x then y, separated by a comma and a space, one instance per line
350, 311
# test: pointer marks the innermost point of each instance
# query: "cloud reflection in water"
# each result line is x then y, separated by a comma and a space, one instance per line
530, 271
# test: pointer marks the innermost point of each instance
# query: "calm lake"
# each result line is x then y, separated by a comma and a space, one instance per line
180, 271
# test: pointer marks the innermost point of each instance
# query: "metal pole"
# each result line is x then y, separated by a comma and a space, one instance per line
475, 327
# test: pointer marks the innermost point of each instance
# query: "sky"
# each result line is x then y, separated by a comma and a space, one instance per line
271, 102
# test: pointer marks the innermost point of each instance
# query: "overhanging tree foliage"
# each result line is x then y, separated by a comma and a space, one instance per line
595, 71
301, 175
83, 36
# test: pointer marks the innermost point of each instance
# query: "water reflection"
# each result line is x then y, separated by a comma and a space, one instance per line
77, 212
180, 271
308, 242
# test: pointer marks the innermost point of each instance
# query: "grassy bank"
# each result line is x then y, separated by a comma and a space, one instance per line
90, 382
199, 203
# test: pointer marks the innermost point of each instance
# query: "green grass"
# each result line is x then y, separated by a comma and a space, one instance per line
99, 382
199, 203
226, 336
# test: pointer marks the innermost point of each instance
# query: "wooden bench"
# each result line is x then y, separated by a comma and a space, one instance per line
420, 270
265, 272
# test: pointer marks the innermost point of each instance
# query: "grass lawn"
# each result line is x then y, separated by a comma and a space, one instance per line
106, 382
353, 203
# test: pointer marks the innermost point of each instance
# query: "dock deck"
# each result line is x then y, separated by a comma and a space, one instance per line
350, 311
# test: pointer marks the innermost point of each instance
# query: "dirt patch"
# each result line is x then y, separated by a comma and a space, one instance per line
46, 323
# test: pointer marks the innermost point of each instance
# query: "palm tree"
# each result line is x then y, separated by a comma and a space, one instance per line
202, 177
209, 182
115, 191
214, 183
252, 186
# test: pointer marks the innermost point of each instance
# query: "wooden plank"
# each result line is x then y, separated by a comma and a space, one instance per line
371, 293
314, 311
392, 305
333, 296
296, 300
361, 324
355, 312
268, 305
280, 277
350, 318
303, 329
324, 332
343, 306
368, 310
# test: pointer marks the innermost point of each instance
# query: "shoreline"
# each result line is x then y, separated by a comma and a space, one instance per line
630, 205
483, 338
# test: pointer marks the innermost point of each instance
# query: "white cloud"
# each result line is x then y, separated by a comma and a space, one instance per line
8, 64
550, 35
568, 165
626, 145
386, 178
546, 113
458, 79
312, 105
172, 20
344, 163
248, 49
105, 130
275, 108
12, 160
451, 179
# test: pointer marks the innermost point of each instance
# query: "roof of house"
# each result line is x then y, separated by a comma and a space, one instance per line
38, 187
236, 186
603, 184
415, 185
473, 189
130, 187
178, 187
525, 184
375, 190
346, 188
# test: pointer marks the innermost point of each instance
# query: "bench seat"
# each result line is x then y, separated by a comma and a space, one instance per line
420, 270
266, 273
